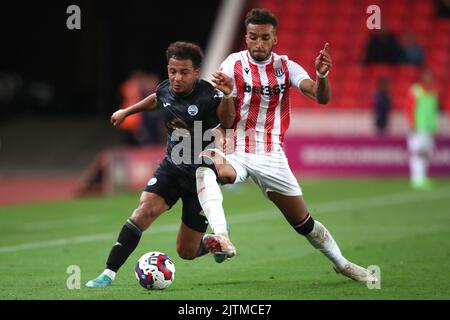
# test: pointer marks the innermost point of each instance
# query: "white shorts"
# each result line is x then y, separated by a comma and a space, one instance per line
270, 171
421, 142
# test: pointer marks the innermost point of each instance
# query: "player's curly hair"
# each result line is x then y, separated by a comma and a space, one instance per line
261, 16
182, 50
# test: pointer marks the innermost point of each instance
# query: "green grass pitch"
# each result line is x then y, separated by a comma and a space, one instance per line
376, 222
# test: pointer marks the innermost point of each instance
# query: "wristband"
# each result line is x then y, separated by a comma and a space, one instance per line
228, 96
322, 76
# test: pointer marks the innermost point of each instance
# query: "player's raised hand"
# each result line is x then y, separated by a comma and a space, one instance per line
222, 82
323, 60
118, 117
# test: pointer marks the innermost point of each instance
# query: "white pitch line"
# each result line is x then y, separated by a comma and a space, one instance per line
79, 239
334, 206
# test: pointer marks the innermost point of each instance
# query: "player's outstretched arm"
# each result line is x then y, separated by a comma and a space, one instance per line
226, 111
320, 90
146, 104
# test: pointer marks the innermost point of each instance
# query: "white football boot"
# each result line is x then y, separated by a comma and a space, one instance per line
356, 273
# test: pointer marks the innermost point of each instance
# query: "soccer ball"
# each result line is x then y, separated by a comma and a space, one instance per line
155, 271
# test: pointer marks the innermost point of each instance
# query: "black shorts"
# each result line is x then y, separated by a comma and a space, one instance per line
171, 184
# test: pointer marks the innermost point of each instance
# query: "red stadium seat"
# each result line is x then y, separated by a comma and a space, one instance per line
310, 23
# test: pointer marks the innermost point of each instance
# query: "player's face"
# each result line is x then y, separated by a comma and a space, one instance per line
182, 75
260, 39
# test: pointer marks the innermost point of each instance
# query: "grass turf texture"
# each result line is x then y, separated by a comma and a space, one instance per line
376, 222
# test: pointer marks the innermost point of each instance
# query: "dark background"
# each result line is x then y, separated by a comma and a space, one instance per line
45, 68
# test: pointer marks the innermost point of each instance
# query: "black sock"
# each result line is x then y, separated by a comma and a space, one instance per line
127, 241
201, 249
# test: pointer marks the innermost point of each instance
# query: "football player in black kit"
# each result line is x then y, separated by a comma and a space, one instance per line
191, 108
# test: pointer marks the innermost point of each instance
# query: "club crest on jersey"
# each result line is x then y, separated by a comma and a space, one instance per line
193, 110
152, 181
279, 72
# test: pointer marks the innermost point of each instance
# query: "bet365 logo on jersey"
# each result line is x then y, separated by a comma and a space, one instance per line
265, 90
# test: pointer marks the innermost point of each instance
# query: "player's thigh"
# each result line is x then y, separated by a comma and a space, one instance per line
151, 206
188, 241
293, 208
193, 215
160, 194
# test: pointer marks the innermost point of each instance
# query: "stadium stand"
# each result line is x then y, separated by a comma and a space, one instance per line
304, 26
43, 158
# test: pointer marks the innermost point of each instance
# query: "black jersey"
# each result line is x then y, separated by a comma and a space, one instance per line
187, 118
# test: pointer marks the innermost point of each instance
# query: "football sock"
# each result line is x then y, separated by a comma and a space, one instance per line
111, 274
210, 198
127, 241
201, 249
322, 240
418, 167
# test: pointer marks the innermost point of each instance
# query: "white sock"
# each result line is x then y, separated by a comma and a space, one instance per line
418, 167
110, 274
322, 240
210, 198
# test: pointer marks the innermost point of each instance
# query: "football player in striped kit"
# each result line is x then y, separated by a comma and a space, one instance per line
255, 85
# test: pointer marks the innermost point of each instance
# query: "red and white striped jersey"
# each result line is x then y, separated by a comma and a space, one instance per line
262, 92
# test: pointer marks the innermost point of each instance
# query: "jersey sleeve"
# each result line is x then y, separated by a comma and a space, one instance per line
297, 74
160, 93
158, 104
227, 67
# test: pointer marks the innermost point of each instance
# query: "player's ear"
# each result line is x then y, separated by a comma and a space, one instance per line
197, 72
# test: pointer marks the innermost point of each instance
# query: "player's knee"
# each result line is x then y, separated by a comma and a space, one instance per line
146, 209
207, 161
147, 212
201, 172
224, 176
206, 175
220, 173
186, 253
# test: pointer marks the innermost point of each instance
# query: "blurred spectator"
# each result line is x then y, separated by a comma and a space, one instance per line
413, 52
382, 106
442, 8
383, 47
131, 94
152, 130
422, 112
141, 128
